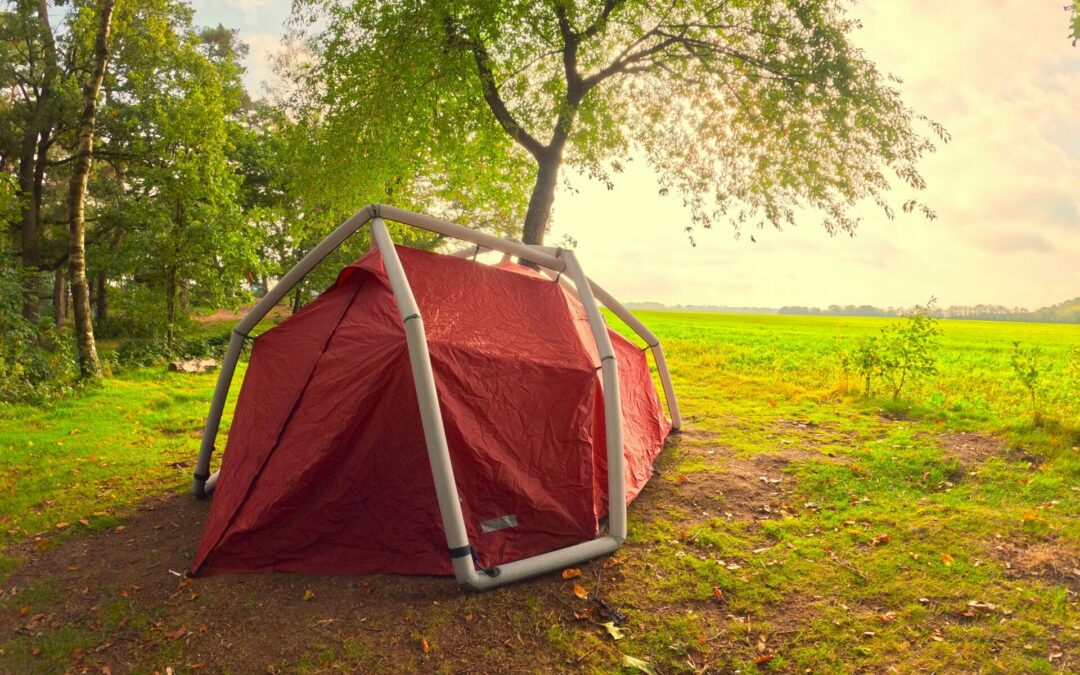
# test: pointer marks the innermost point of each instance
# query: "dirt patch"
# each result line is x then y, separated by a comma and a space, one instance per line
725, 484
1052, 561
811, 434
970, 448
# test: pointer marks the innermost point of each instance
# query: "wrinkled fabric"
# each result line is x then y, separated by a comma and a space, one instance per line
326, 470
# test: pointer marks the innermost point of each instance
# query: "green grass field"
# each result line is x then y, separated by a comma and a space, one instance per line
795, 525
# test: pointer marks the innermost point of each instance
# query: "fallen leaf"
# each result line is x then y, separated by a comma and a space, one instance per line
120, 528
764, 658
614, 631
580, 591
717, 594
681, 478
176, 634
946, 559
61, 526
887, 617
36, 651
634, 662
613, 561
186, 581
425, 645
880, 539
84, 522
584, 614
309, 594
571, 573
470, 616
981, 607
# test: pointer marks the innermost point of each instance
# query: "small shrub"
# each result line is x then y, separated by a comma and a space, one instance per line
908, 349
866, 359
143, 351
902, 353
1025, 365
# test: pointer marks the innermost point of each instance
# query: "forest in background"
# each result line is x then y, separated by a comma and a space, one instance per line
198, 196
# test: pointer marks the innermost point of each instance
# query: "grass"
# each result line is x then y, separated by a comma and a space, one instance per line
82, 462
876, 539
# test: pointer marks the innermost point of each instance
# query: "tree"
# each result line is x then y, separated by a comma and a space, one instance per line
185, 237
750, 110
80, 291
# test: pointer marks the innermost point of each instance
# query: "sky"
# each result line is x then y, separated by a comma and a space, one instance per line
1001, 76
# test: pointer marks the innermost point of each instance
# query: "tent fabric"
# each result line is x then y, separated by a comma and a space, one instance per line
326, 469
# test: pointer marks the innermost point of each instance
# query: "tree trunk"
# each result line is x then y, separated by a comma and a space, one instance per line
59, 296
542, 198
28, 227
89, 366
33, 149
101, 297
296, 306
170, 308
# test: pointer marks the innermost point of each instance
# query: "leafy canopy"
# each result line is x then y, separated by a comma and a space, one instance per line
750, 110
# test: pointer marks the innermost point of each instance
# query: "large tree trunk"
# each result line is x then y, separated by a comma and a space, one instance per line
547, 179
541, 201
89, 366
28, 227
33, 149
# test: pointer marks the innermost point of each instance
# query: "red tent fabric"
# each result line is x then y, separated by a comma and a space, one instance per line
326, 470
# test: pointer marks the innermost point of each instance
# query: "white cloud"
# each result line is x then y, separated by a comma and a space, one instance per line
262, 48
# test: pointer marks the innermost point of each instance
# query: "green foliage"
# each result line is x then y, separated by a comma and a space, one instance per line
902, 352
866, 359
1074, 23
1025, 365
1072, 368
908, 350
37, 362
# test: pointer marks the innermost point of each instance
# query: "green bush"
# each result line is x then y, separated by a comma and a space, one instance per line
1025, 365
905, 351
37, 361
155, 350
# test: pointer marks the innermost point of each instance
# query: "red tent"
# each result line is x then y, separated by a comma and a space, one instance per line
326, 471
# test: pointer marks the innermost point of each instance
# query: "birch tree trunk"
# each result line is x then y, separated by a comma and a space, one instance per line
89, 366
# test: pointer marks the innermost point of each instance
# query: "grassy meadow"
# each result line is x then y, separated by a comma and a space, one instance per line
795, 526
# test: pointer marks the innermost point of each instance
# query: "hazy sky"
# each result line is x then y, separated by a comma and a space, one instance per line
999, 74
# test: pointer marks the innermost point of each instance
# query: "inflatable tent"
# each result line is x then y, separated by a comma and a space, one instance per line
430, 414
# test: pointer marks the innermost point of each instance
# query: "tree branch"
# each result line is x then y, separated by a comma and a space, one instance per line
598, 24
491, 91
575, 89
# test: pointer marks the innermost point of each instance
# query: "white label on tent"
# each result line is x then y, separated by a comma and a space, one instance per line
500, 523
